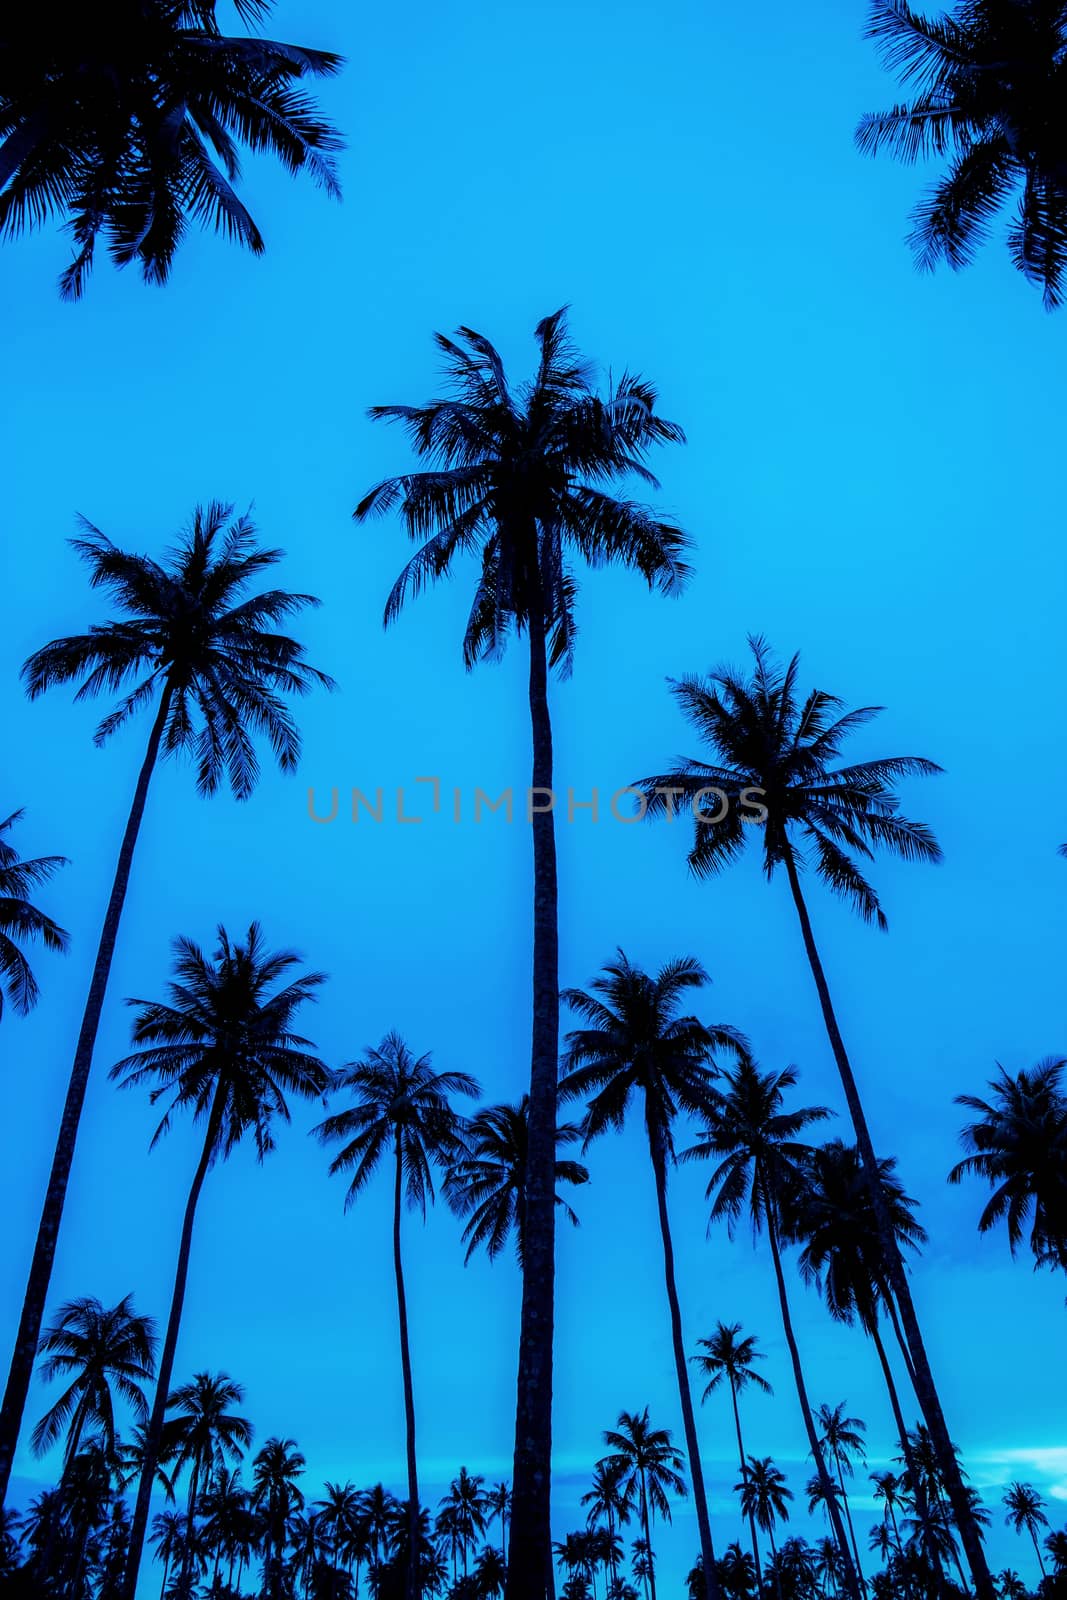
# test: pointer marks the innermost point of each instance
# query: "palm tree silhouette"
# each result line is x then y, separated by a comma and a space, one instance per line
21, 922
760, 1165
340, 1514
98, 1348
488, 1182
636, 1045
168, 1541
518, 477
889, 1489
1026, 1509
498, 1500
841, 1437
401, 1108
728, 1357
223, 1048
765, 1497
276, 1495
226, 1508
983, 81
194, 642
1019, 1146
649, 1467
466, 1502
775, 765
203, 1433
128, 125
610, 1501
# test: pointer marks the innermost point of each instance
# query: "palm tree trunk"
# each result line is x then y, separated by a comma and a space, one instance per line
774, 1562
530, 1566
925, 1388
166, 1575
412, 1583
646, 1524
1037, 1551
825, 1481
190, 1520
154, 1431
685, 1397
851, 1526
33, 1306
744, 1479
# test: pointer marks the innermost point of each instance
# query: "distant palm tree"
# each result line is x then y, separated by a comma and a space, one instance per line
498, 1500
401, 1109
127, 124
168, 1541
1019, 1146
98, 1349
203, 1433
21, 922
192, 640
1056, 1545
985, 81
224, 1048
889, 1489
225, 1506
488, 1182
518, 478
649, 1467
490, 1572
841, 1437
775, 763
1010, 1586
610, 1501
276, 1495
636, 1046
466, 1500
340, 1514
306, 1540
1026, 1509
765, 1497
728, 1357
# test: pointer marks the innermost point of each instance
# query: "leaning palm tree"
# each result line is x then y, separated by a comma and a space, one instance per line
729, 1357
22, 922
775, 775
101, 1350
401, 1110
841, 1437
207, 654
126, 123
986, 83
519, 478
649, 1468
636, 1046
276, 1495
1026, 1509
765, 1498
223, 1047
203, 1433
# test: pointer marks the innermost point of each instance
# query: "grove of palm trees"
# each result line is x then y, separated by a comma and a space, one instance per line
531, 942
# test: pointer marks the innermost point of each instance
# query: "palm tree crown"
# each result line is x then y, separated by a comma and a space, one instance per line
646, 1461
100, 1349
21, 921
765, 1495
203, 1430
728, 1357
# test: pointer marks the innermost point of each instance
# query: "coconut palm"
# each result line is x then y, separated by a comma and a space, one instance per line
760, 1164
765, 1497
196, 644
466, 1502
498, 1501
841, 1437
889, 1489
610, 1502
649, 1468
636, 1046
985, 84
223, 1047
488, 1183
1018, 1144
22, 922
1026, 1509
203, 1433
519, 479
729, 1357
401, 1110
1010, 1586
276, 1495
226, 1509
127, 124
101, 1351
340, 1515
490, 1572
168, 1542
776, 777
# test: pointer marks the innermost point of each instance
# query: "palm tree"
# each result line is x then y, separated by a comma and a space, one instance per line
1010, 1586
127, 124
225, 1507
984, 83
276, 1495
765, 1497
21, 922
649, 1468
466, 1500
223, 1048
636, 1045
775, 767
203, 1433
610, 1502
490, 1572
1019, 1146
518, 477
168, 1541
98, 1349
498, 1500
889, 1489
728, 1357
340, 1514
760, 1166
400, 1108
841, 1437
209, 656
488, 1182
1026, 1509
307, 1542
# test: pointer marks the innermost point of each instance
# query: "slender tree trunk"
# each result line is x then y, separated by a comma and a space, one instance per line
851, 1527
154, 1432
833, 1510
166, 1575
190, 1519
685, 1397
1037, 1552
33, 1306
530, 1566
413, 1585
774, 1561
925, 1388
646, 1523
744, 1480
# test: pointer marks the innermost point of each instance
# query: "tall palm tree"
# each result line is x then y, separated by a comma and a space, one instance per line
985, 85
126, 123
208, 655
841, 1437
1018, 1144
224, 1048
760, 1162
637, 1046
610, 1501
203, 1433
401, 1109
776, 762
99, 1349
22, 922
649, 1467
488, 1183
729, 1357
466, 1500
519, 478
276, 1495
1026, 1509
765, 1498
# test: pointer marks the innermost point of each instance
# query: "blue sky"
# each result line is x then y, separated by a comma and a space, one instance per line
870, 478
